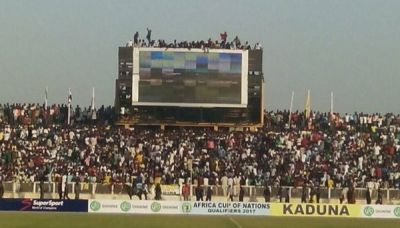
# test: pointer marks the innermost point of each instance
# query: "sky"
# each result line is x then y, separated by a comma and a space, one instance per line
350, 48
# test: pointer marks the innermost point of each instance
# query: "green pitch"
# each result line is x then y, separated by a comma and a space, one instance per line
73, 220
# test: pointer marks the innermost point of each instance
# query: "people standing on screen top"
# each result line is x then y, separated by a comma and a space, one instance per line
257, 46
136, 39
148, 36
379, 199
368, 196
236, 42
223, 36
318, 193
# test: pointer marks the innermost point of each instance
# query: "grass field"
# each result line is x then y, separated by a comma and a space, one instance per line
74, 220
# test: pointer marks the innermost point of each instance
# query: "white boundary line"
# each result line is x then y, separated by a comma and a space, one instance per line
234, 222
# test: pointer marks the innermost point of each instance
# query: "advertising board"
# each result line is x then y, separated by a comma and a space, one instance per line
323, 210
134, 207
178, 207
44, 205
226, 208
380, 211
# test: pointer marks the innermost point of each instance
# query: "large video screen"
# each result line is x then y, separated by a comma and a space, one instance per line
185, 77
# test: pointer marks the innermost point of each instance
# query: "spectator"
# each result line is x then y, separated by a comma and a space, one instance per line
318, 193
304, 193
199, 193
230, 193
148, 36
1, 186
41, 186
209, 193
379, 199
77, 187
136, 39
185, 192
158, 192
241, 194
280, 194
368, 196
267, 194
287, 196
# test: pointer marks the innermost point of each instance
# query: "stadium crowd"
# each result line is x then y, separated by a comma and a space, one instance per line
352, 150
223, 43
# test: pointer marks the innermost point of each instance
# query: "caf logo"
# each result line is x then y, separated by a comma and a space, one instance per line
397, 211
125, 206
368, 211
186, 207
95, 205
155, 207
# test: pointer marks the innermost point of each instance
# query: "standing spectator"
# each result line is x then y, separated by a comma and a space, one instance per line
209, 193
145, 190
287, 196
224, 183
318, 193
77, 187
223, 36
280, 194
199, 193
342, 195
148, 36
379, 199
59, 189
368, 196
136, 39
158, 192
267, 194
41, 185
304, 193
230, 193
241, 194
1, 186
312, 194
351, 196
185, 192
65, 181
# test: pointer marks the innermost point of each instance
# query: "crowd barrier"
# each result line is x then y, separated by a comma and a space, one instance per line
390, 196
202, 208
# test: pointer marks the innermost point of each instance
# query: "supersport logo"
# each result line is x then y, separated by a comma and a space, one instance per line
27, 204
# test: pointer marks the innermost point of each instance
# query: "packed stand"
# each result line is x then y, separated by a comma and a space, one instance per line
353, 150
